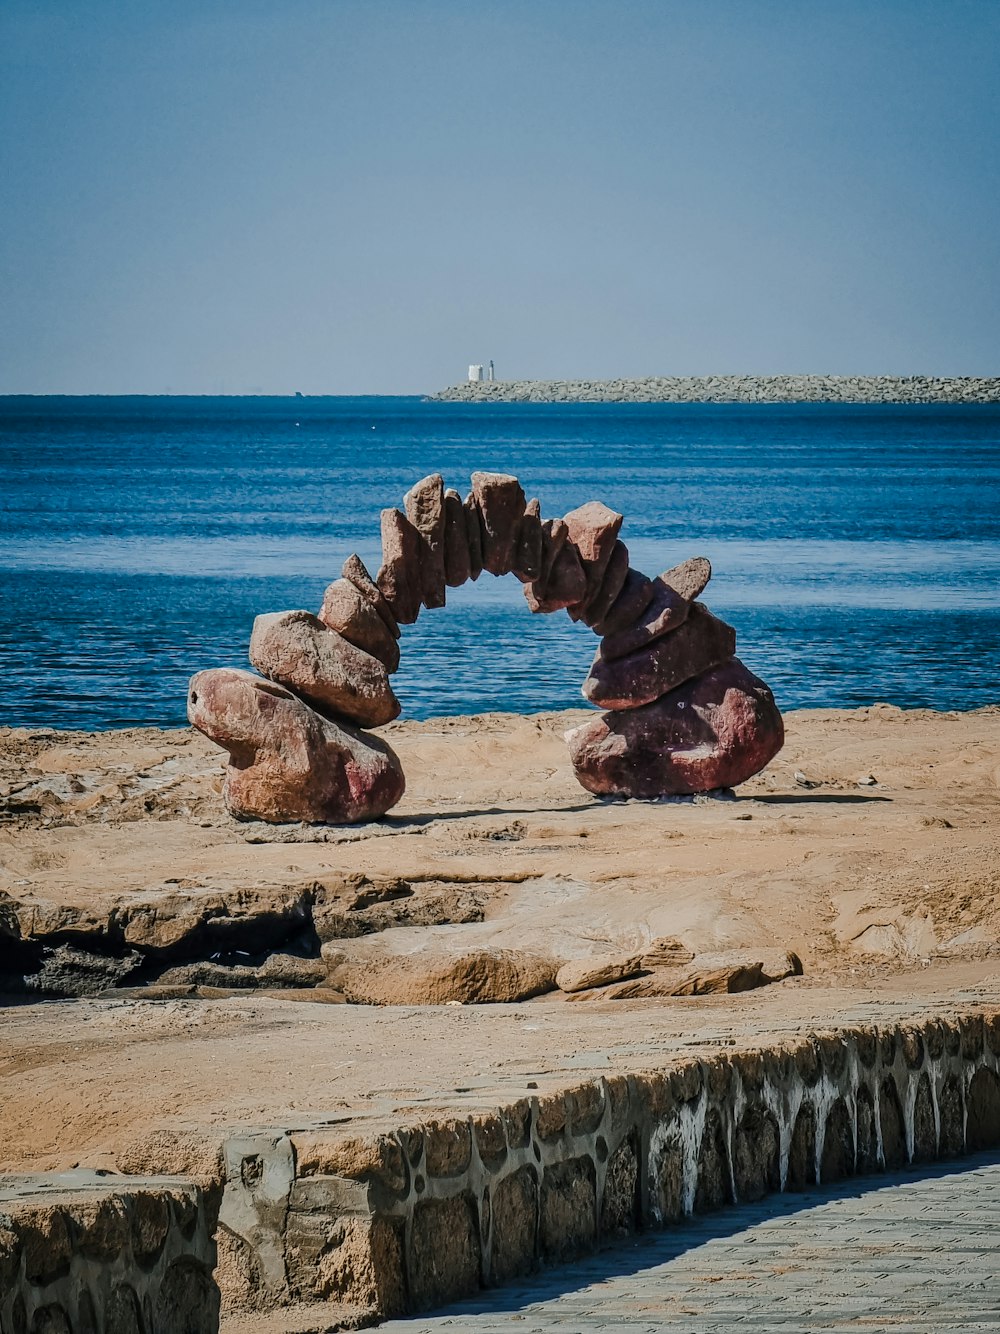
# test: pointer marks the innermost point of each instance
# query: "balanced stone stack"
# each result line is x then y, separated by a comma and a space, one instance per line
683, 714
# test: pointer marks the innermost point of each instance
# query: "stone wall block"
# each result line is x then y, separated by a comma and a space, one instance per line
447, 1148
912, 1043
991, 1026
756, 1153
585, 1107
832, 1051
982, 1102
923, 1123
550, 1115
444, 1257
972, 1029
620, 1191
951, 1112
801, 1171
838, 1156
491, 1139
514, 1231
892, 1127
807, 1061
568, 1209
516, 1118
713, 1187
686, 1082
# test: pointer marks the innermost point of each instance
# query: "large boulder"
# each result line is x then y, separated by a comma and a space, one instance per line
286, 762
479, 977
700, 643
297, 650
715, 731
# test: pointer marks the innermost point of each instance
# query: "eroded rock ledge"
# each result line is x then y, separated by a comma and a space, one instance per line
734, 389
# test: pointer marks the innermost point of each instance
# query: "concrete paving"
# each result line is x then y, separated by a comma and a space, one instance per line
911, 1251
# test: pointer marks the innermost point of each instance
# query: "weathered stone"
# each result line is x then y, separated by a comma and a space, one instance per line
46, 1242
892, 1125
802, 1150
694, 648
924, 1125
476, 978
554, 535
515, 1224
867, 1159
565, 587
355, 572
982, 1102
424, 506
101, 1227
346, 610
952, 1119
593, 530
689, 578
444, 1252
447, 1147
665, 952
361, 1262
756, 1154
296, 649
597, 607
716, 731
457, 567
491, 1140
580, 974
568, 1214
664, 611
123, 1312
837, 1161
188, 1300
726, 972
286, 761
620, 1201
149, 1223
399, 578
500, 501
528, 552
374, 1158
636, 594
473, 535
713, 1189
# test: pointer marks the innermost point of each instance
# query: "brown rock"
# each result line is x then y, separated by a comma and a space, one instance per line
554, 535
296, 649
400, 577
473, 536
565, 586
635, 596
286, 761
611, 585
593, 530
690, 578
479, 977
664, 611
354, 570
346, 610
457, 567
528, 552
424, 505
500, 502
666, 952
715, 731
726, 972
699, 644
581, 974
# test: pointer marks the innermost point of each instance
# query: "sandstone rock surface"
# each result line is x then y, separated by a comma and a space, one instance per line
582, 974
690, 578
346, 610
399, 578
700, 643
297, 650
479, 977
424, 505
286, 761
715, 731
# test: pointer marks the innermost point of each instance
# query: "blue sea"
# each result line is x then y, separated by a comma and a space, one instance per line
856, 549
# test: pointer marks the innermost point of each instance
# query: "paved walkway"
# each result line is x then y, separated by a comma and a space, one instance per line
910, 1251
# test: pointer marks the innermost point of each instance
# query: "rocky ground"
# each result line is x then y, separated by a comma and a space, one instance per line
868, 850
734, 389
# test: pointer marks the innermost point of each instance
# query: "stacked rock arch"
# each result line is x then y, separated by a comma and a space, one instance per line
680, 713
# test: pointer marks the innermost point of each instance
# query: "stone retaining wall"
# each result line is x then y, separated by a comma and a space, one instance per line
734, 389
85, 1252
405, 1218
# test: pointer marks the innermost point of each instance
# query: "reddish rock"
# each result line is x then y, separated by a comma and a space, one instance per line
286, 761
702, 642
635, 596
715, 731
353, 569
399, 579
457, 569
296, 649
528, 552
346, 610
665, 612
565, 586
424, 505
690, 578
593, 530
473, 536
611, 585
500, 502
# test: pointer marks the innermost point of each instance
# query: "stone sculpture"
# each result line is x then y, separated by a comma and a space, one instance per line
683, 715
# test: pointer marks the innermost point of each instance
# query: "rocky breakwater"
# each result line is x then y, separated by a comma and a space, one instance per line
734, 389
682, 714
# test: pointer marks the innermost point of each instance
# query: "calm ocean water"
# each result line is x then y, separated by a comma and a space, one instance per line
856, 549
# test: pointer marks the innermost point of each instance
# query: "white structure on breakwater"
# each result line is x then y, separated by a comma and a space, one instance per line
475, 375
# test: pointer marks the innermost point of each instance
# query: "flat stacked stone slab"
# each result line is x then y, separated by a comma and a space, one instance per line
296, 754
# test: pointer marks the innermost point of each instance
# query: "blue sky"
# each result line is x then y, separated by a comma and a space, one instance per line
363, 196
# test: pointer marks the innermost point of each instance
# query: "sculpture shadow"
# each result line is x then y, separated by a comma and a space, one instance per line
825, 798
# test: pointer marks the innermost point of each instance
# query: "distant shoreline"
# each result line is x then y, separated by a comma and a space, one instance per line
733, 389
